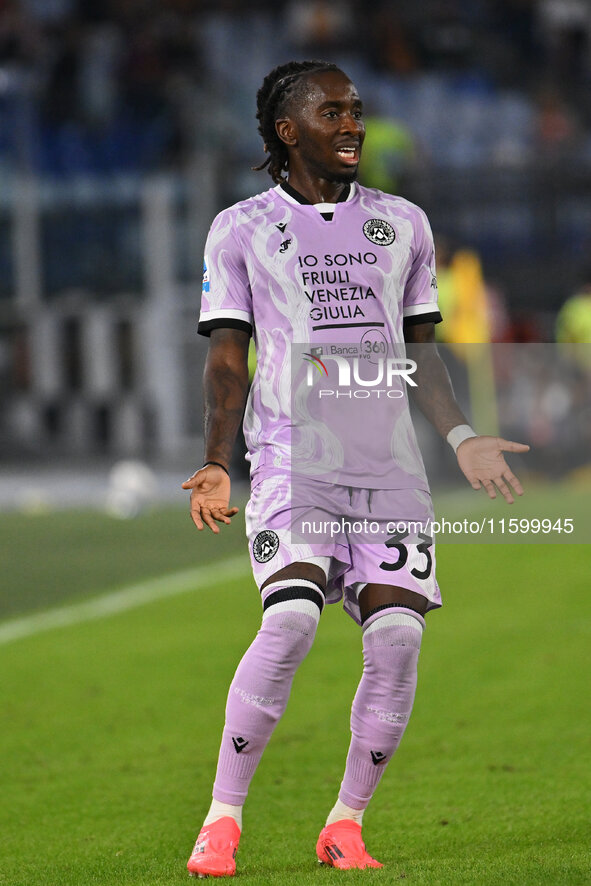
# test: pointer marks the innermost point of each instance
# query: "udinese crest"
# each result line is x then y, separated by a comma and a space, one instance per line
379, 231
265, 546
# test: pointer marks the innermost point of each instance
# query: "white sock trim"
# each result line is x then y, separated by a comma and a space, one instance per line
299, 604
341, 811
219, 810
394, 619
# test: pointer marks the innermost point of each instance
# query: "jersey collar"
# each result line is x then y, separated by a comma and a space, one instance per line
292, 196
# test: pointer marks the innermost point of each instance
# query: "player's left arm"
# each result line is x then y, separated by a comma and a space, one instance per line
479, 457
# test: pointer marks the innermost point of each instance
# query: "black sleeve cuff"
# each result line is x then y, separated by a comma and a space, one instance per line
432, 317
204, 328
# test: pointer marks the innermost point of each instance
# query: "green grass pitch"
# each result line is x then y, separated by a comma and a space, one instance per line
110, 727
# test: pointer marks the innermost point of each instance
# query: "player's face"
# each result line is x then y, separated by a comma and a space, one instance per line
328, 128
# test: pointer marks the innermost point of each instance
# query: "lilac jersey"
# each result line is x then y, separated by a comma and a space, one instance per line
315, 282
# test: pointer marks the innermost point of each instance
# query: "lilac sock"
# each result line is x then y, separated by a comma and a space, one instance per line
383, 702
260, 689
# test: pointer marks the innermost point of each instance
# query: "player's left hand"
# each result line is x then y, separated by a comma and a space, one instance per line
210, 498
481, 459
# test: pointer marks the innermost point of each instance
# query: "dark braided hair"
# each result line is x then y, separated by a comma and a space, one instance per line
279, 86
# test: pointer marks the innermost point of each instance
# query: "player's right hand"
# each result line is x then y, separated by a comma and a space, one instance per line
210, 497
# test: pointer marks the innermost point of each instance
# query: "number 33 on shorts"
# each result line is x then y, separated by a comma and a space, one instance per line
400, 555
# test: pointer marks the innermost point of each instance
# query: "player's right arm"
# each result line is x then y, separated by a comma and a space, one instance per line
225, 387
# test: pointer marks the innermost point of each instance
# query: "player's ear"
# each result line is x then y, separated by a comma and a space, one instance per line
287, 131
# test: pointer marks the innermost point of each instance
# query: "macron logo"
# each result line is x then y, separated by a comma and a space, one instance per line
239, 744
377, 757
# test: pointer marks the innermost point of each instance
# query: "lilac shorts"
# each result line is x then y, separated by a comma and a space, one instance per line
357, 536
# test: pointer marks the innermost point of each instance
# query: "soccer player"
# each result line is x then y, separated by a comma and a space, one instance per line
320, 260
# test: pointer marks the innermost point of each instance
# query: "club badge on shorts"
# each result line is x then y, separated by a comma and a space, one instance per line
265, 546
379, 231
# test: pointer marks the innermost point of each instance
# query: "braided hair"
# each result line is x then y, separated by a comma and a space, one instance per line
279, 86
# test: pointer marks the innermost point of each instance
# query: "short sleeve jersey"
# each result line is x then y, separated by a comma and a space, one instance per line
334, 277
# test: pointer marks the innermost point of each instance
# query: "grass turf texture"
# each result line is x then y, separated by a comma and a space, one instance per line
60, 557
111, 728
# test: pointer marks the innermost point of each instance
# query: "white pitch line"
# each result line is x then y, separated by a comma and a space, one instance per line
129, 597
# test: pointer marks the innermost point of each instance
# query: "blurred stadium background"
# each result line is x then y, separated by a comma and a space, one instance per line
125, 126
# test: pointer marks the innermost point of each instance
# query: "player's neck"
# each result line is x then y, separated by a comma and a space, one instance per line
317, 190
